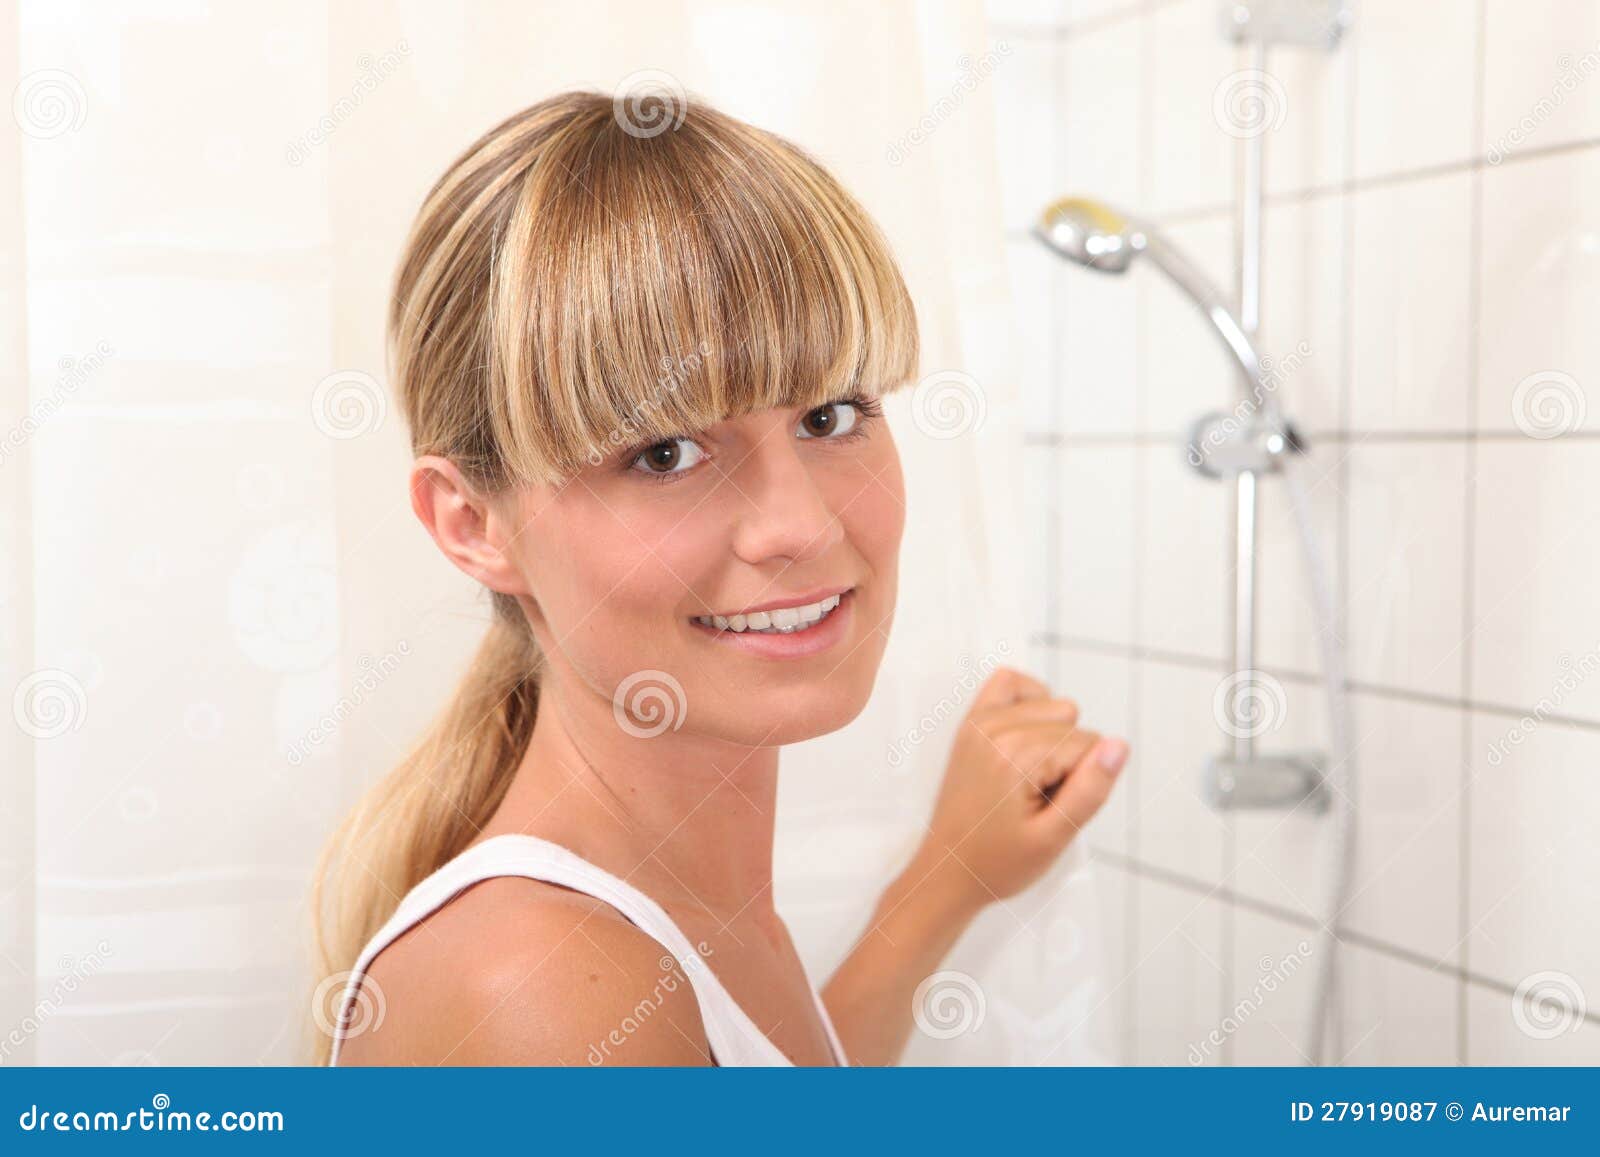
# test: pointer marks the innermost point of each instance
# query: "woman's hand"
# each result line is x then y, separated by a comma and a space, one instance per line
1022, 781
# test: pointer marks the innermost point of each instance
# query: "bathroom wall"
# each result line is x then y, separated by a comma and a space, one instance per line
1432, 243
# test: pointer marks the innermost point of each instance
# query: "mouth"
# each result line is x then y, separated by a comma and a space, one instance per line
781, 620
790, 631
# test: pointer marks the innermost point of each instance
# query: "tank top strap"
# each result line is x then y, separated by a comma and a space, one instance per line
734, 1038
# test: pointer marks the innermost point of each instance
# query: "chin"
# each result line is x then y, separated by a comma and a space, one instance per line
779, 715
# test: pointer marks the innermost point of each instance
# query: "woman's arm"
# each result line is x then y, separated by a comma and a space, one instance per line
1022, 781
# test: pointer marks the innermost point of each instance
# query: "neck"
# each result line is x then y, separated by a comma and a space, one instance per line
687, 818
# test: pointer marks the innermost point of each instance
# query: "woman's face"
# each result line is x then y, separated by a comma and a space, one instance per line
742, 582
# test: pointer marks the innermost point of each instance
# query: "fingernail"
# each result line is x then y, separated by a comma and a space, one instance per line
1113, 754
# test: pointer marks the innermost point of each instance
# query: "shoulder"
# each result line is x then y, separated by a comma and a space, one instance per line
515, 971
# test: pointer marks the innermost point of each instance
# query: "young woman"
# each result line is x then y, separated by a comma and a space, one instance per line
642, 374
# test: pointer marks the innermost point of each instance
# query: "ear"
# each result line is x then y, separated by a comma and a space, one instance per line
465, 524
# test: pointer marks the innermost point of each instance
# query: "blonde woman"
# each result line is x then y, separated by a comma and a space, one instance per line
642, 373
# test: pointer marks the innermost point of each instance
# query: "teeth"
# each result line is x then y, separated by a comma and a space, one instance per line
784, 621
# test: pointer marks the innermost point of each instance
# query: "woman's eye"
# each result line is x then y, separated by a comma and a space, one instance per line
829, 421
670, 457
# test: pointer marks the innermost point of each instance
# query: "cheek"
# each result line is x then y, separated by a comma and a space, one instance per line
610, 582
874, 516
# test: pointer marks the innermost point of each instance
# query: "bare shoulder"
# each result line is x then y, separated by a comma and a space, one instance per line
520, 972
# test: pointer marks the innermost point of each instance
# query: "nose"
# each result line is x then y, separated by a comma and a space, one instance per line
785, 515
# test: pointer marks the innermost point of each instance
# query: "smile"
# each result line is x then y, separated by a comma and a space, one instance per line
777, 621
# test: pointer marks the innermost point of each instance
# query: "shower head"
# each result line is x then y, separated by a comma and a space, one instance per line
1092, 234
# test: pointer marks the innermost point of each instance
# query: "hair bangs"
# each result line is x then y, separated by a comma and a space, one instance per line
647, 287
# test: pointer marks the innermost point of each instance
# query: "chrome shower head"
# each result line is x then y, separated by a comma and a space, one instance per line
1090, 233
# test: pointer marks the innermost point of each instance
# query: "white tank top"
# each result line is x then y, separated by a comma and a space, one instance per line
734, 1038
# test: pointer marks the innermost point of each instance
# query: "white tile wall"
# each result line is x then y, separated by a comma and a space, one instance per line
1539, 68
1536, 621
1432, 238
1538, 345
1178, 975
1095, 489
1414, 84
1191, 157
1410, 340
1405, 586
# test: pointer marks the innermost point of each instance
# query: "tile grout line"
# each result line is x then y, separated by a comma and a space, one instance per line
1360, 687
1387, 948
1469, 548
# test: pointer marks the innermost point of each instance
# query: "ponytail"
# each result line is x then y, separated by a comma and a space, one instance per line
425, 811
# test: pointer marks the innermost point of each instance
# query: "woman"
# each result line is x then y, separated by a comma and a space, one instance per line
641, 369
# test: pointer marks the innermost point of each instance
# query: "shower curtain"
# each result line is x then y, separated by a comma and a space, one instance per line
220, 618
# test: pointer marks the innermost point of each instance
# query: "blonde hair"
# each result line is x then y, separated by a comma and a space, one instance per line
587, 278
